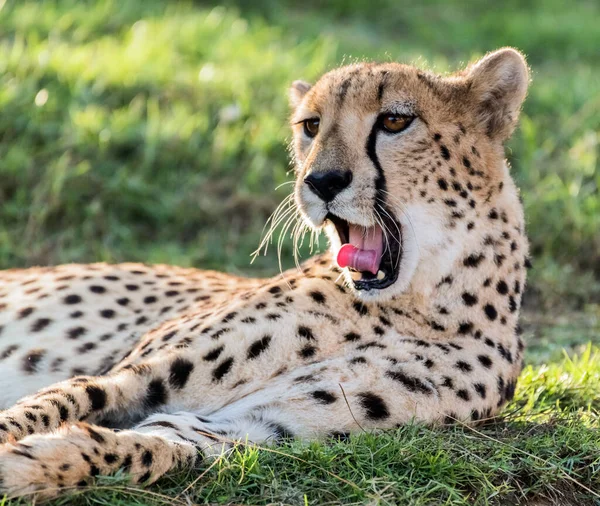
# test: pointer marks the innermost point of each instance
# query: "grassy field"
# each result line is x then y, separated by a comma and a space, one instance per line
156, 131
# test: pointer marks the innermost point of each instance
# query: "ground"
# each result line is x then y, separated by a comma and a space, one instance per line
134, 131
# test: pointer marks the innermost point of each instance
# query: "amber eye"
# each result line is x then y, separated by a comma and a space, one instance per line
311, 126
395, 123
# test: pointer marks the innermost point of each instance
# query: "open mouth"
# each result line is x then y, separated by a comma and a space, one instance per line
372, 254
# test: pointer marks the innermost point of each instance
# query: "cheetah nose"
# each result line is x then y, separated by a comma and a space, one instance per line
328, 184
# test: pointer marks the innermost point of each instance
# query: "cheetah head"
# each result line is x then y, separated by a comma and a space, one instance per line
394, 162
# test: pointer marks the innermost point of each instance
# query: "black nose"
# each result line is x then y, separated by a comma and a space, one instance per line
328, 184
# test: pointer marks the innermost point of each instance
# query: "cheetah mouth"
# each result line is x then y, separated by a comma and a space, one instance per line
373, 254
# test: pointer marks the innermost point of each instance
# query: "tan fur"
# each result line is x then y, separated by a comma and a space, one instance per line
198, 360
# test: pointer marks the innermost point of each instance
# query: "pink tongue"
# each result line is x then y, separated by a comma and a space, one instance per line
364, 251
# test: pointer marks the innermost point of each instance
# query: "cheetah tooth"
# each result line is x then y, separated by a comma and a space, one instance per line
380, 275
355, 275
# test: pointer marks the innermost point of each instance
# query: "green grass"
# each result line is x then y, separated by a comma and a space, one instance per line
156, 131
545, 449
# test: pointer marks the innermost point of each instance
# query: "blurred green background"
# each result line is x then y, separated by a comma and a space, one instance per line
156, 131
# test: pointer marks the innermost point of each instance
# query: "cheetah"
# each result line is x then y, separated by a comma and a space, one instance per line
411, 314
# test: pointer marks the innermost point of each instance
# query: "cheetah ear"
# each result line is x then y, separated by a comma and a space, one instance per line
497, 86
297, 92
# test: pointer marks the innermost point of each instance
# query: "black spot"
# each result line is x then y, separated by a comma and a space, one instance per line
273, 316
448, 383
445, 153
442, 184
32, 359
490, 312
97, 289
473, 260
99, 438
107, 313
72, 299
132, 288
374, 406
512, 304
258, 347
358, 360
76, 332
371, 345
147, 458
411, 383
437, 137
156, 394
145, 477
97, 397
469, 299
40, 324
213, 355
123, 301
229, 316
436, 326
502, 287
450, 202
307, 351
485, 361
323, 396
509, 391
25, 312
169, 336
480, 389
378, 330
280, 432
463, 394
151, 299
94, 471
127, 461
275, 289
180, 372
110, 458
222, 369
360, 308
463, 366
306, 333
504, 353
318, 297
465, 328
352, 336
493, 214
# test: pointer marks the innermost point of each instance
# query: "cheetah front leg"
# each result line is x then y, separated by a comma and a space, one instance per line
44, 465
127, 395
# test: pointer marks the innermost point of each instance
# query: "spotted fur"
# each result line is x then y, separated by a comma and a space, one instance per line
187, 362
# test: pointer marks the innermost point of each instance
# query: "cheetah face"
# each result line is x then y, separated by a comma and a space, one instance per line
377, 149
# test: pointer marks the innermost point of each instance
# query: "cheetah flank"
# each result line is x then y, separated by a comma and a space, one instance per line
411, 315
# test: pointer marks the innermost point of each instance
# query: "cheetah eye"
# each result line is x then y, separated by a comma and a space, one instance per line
394, 123
311, 127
